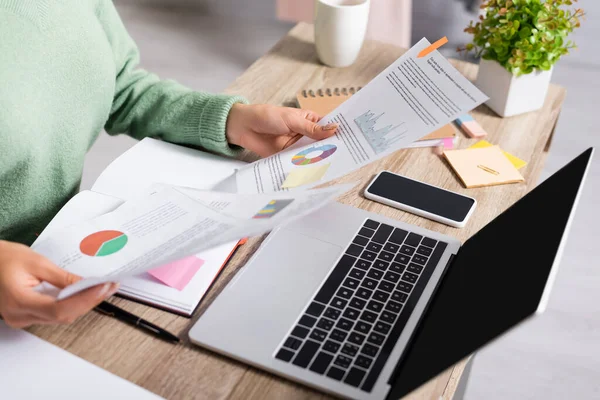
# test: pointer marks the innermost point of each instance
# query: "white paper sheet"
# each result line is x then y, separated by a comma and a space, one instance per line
408, 100
87, 205
154, 161
31, 368
166, 225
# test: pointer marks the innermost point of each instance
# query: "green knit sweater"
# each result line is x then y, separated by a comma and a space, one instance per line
68, 69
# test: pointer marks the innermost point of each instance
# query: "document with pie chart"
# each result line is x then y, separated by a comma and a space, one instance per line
407, 101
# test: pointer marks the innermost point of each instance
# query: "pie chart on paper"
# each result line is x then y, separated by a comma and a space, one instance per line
103, 243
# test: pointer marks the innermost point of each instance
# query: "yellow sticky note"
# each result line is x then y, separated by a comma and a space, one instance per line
516, 161
305, 175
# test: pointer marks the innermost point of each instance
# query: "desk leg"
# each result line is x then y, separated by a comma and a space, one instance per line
464, 380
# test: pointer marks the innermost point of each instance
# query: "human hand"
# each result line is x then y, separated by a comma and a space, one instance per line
266, 129
22, 269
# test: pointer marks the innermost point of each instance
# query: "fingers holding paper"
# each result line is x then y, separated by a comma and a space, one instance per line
265, 129
21, 270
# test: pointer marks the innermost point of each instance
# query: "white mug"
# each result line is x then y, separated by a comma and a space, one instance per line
340, 28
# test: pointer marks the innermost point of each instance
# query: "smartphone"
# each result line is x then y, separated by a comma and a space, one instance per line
420, 198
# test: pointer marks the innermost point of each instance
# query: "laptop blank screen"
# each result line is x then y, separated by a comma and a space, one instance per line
495, 282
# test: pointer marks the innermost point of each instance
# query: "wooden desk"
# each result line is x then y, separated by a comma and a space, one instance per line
185, 371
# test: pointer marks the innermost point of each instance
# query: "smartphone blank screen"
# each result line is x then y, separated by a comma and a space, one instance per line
424, 197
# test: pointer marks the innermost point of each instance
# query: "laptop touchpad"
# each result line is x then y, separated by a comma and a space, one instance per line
269, 293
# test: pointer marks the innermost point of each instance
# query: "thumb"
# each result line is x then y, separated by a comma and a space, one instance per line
46, 271
311, 129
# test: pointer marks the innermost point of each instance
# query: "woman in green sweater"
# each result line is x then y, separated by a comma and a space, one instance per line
68, 69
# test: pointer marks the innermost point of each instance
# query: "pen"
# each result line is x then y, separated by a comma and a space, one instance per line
122, 315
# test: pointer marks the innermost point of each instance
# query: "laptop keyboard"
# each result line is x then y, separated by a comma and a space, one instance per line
350, 327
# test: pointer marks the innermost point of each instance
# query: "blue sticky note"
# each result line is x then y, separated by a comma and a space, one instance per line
464, 118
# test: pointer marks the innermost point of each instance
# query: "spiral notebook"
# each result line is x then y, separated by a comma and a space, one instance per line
323, 101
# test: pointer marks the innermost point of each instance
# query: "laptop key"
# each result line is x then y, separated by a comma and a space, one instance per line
404, 286
342, 361
360, 240
371, 224
419, 259
344, 293
338, 335
351, 313
392, 276
351, 283
375, 306
397, 268
398, 236
362, 327
386, 286
325, 324
380, 264
382, 328
321, 363
363, 362
402, 259
426, 251
386, 256
292, 343
355, 377
369, 350
357, 303
369, 283
300, 332
362, 264
284, 355
368, 255
335, 279
339, 302
407, 250
391, 247
315, 309
306, 354
350, 349
414, 268
399, 296
410, 277
368, 316
344, 324
393, 307
413, 239
332, 313
357, 273
366, 232
331, 346
318, 335
375, 247
356, 338
336, 373
388, 317
375, 273
364, 293
376, 338
308, 321
429, 242
381, 296
354, 250
383, 233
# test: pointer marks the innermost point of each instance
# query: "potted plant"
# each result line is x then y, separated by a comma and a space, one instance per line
519, 41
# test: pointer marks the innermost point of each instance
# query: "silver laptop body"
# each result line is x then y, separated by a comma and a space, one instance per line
258, 310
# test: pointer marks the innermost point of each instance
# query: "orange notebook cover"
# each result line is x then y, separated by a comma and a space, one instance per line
324, 101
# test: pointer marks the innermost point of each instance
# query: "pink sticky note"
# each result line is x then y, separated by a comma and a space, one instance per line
178, 274
448, 143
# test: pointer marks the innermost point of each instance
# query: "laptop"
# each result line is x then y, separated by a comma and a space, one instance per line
362, 306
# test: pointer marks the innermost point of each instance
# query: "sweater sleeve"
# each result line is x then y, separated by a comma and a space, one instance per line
144, 105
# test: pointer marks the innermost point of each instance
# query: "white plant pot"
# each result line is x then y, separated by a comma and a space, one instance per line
511, 95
